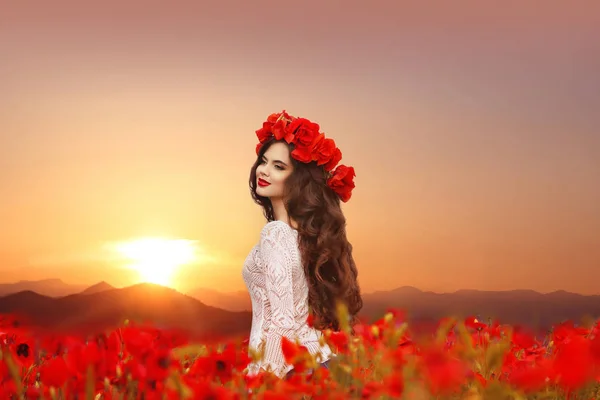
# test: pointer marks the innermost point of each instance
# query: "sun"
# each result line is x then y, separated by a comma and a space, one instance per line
155, 259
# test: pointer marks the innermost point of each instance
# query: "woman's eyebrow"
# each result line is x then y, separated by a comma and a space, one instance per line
276, 161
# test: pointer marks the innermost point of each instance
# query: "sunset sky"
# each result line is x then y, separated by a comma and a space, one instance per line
474, 132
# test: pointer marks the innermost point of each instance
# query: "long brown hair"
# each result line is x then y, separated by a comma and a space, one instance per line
325, 251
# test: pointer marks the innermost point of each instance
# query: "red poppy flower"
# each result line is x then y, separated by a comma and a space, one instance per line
523, 338
573, 363
394, 384
203, 389
82, 356
295, 354
531, 378
444, 373
338, 339
474, 323
595, 349
160, 364
138, 342
23, 352
372, 389
8, 389
220, 365
495, 330
54, 372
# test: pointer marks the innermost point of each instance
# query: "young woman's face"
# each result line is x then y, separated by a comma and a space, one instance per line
273, 170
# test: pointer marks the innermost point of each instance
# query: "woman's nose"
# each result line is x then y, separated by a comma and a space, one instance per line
262, 170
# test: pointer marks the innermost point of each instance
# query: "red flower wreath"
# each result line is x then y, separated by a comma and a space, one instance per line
310, 145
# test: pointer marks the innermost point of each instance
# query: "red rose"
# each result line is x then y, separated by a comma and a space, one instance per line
280, 131
265, 132
302, 154
274, 117
309, 145
325, 153
335, 158
280, 127
304, 131
274, 125
342, 182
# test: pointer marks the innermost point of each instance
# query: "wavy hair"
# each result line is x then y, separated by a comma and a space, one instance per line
325, 251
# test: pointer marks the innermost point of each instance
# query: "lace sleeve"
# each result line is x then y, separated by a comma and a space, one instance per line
275, 249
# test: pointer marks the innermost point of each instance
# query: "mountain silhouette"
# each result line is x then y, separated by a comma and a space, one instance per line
208, 311
46, 287
233, 301
161, 306
520, 307
97, 288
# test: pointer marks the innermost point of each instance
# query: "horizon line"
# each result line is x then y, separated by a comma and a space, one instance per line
406, 287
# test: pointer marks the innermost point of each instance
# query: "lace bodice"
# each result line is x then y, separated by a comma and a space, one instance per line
278, 289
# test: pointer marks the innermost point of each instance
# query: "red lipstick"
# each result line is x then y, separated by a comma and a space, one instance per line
263, 183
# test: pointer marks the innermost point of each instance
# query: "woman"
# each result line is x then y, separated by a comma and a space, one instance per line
303, 262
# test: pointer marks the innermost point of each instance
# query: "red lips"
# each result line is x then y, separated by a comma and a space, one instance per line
263, 183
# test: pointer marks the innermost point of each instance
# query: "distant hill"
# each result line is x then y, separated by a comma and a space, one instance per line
233, 301
162, 306
46, 287
523, 307
209, 311
97, 288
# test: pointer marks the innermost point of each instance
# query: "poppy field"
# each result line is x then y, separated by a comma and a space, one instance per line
462, 359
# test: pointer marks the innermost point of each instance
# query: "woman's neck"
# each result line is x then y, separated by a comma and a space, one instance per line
281, 214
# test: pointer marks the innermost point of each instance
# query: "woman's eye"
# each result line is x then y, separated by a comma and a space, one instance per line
276, 166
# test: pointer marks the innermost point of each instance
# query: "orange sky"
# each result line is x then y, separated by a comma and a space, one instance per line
473, 132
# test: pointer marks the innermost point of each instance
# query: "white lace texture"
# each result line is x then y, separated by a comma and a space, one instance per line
278, 288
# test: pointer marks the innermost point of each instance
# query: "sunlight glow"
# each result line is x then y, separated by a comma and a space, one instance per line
156, 259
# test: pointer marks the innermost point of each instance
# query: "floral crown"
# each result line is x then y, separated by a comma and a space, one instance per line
310, 145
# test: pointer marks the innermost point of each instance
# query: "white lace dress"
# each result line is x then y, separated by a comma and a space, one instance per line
278, 288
